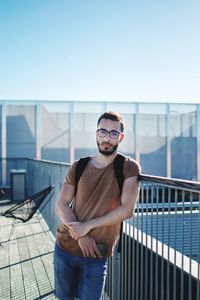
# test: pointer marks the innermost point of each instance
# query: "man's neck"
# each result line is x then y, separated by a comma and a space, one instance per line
101, 161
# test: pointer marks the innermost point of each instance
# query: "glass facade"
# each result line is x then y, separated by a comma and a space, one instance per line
54, 133
152, 138
164, 137
84, 134
20, 131
129, 142
183, 137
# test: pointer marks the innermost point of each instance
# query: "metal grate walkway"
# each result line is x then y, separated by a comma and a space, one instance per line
26, 260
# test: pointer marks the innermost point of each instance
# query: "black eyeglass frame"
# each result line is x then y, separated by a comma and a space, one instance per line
108, 132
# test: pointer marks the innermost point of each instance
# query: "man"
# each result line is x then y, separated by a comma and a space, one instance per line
98, 210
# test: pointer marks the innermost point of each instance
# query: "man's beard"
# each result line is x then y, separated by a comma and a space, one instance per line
107, 152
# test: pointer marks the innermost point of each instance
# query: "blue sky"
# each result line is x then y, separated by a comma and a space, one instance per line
100, 50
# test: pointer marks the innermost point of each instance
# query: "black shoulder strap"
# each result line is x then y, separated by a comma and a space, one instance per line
80, 167
119, 166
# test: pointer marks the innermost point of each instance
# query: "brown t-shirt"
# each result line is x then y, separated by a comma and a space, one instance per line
97, 194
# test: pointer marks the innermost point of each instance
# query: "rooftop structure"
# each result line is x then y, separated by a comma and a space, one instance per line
164, 138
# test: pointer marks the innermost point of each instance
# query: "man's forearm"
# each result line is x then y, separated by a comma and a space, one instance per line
78, 229
65, 214
116, 216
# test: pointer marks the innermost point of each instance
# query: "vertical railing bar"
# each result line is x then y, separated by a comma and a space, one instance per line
190, 258
133, 255
137, 255
109, 296
125, 260
123, 257
168, 243
198, 258
129, 259
175, 245
198, 276
183, 246
162, 262
156, 273
122, 267
142, 247
151, 259
146, 248
118, 282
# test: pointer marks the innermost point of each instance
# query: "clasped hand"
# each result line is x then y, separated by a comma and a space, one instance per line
78, 229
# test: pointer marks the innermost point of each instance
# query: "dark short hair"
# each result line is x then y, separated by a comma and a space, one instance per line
113, 116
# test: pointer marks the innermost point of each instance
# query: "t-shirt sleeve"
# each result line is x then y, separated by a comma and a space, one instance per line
131, 168
70, 176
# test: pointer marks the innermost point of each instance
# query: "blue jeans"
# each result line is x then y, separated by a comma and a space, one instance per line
77, 276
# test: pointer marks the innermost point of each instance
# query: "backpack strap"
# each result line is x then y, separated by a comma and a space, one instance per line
118, 167
80, 167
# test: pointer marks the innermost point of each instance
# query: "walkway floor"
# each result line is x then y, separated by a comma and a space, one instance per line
26, 260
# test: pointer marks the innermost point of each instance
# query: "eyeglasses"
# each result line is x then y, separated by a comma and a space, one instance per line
112, 133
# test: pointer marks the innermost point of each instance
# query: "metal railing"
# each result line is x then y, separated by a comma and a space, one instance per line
160, 256
161, 245
39, 174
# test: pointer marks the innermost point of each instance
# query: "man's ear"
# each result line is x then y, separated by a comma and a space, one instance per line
121, 137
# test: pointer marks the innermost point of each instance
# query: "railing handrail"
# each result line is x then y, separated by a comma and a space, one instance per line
35, 159
171, 182
166, 181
